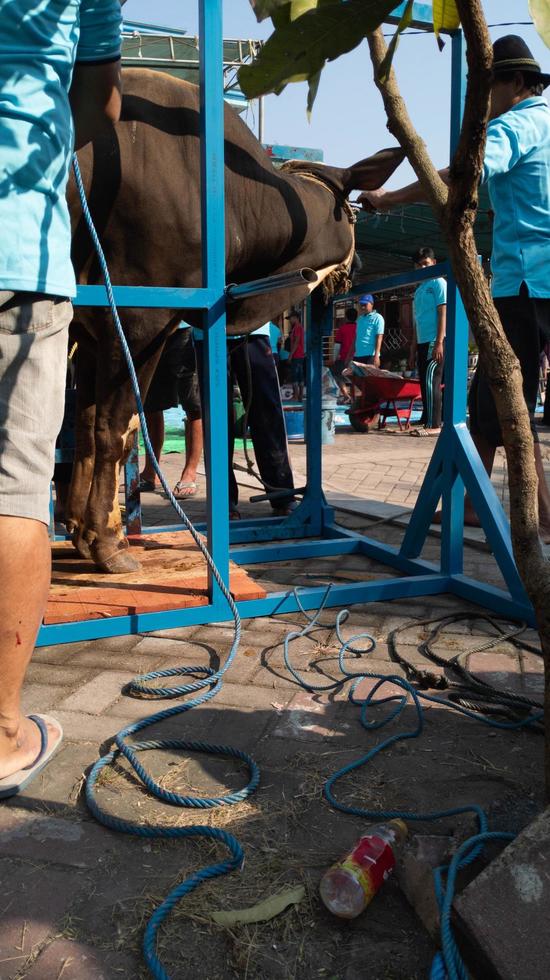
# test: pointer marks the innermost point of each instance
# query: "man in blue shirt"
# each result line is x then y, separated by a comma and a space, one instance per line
430, 317
517, 173
370, 332
59, 86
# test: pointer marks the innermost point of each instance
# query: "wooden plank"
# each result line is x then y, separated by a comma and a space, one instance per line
173, 575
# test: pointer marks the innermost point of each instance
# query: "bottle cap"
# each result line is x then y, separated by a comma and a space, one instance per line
402, 826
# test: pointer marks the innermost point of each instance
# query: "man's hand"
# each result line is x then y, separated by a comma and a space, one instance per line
374, 200
376, 361
437, 352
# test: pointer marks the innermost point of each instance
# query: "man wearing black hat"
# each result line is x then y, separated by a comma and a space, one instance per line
517, 173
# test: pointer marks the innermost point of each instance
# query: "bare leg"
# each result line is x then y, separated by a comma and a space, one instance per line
155, 427
24, 559
543, 497
193, 450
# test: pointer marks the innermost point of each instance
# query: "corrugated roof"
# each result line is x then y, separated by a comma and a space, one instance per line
386, 242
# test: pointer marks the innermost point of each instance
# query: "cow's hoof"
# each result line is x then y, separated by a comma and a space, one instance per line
82, 547
118, 563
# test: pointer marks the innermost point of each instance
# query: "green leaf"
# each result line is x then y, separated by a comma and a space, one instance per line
301, 48
540, 12
312, 93
446, 16
267, 8
392, 47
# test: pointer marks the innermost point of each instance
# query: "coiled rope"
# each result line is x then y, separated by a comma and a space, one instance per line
211, 681
448, 964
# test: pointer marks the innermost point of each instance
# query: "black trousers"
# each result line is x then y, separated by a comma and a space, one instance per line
251, 365
430, 373
525, 321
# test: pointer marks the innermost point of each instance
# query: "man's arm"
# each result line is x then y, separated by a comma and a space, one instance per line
412, 352
437, 353
382, 200
378, 345
95, 99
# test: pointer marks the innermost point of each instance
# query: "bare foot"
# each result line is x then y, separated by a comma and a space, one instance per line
470, 518
21, 749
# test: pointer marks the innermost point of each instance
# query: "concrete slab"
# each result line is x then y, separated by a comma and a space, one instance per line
504, 913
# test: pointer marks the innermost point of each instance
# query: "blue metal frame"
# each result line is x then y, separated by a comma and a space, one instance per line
310, 531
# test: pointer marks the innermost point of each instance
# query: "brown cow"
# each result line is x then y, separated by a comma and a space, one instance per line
143, 187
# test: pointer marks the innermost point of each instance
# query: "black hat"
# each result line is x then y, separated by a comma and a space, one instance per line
511, 53
292, 313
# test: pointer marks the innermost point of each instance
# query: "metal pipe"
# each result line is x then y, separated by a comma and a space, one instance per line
285, 280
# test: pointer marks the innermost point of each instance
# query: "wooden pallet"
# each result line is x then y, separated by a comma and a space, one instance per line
173, 575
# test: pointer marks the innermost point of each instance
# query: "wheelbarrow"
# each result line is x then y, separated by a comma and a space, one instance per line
375, 396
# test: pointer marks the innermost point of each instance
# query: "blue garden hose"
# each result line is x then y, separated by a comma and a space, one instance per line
447, 964
210, 683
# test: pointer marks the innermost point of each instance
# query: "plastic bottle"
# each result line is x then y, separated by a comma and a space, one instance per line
350, 884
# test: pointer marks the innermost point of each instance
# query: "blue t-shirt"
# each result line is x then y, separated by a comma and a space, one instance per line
429, 295
369, 327
517, 172
39, 43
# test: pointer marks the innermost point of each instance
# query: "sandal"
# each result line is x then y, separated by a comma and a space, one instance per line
184, 488
424, 433
11, 785
146, 485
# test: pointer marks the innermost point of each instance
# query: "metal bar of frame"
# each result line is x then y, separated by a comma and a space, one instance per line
310, 531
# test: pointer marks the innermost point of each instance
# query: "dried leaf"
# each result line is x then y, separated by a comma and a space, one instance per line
262, 911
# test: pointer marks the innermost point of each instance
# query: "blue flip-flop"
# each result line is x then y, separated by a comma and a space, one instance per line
17, 781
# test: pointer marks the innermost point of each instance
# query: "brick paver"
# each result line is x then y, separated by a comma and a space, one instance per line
76, 896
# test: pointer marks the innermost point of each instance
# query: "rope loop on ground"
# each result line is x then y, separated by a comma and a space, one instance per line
447, 964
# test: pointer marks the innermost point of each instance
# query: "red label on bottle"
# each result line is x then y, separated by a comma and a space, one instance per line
371, 862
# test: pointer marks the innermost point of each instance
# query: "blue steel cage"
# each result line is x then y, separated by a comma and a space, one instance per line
311, 531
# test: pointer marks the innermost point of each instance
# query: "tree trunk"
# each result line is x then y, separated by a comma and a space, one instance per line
456, 210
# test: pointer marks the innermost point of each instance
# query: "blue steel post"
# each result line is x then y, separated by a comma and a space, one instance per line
314, 498
456, 354
213, 265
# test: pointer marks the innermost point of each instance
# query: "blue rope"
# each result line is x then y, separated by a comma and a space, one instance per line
210, 683
447, 964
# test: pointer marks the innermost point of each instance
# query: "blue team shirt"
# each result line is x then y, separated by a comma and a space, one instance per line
369, 327
517, 173
429, 295
39, 44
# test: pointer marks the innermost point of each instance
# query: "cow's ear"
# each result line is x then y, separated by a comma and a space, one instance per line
373, 172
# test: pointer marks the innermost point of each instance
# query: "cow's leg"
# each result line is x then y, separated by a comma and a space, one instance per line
83, 466
115, 421
102, 524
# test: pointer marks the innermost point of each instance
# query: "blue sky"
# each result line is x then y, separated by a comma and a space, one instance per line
348, 121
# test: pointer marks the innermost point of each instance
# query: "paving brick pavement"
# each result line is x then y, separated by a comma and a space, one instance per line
76, 896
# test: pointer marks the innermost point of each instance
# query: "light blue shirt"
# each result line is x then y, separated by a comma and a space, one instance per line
517, 173
428, 296
39, 44
369, 327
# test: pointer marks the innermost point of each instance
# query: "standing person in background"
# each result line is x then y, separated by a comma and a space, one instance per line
276, 341
59, 76
516, 170
251, 365
297, 355
430, 319
175, 382
370, 332
344, 346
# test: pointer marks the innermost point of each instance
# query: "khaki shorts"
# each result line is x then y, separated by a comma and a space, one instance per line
33, 361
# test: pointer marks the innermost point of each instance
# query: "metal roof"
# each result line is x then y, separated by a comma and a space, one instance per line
386, 242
